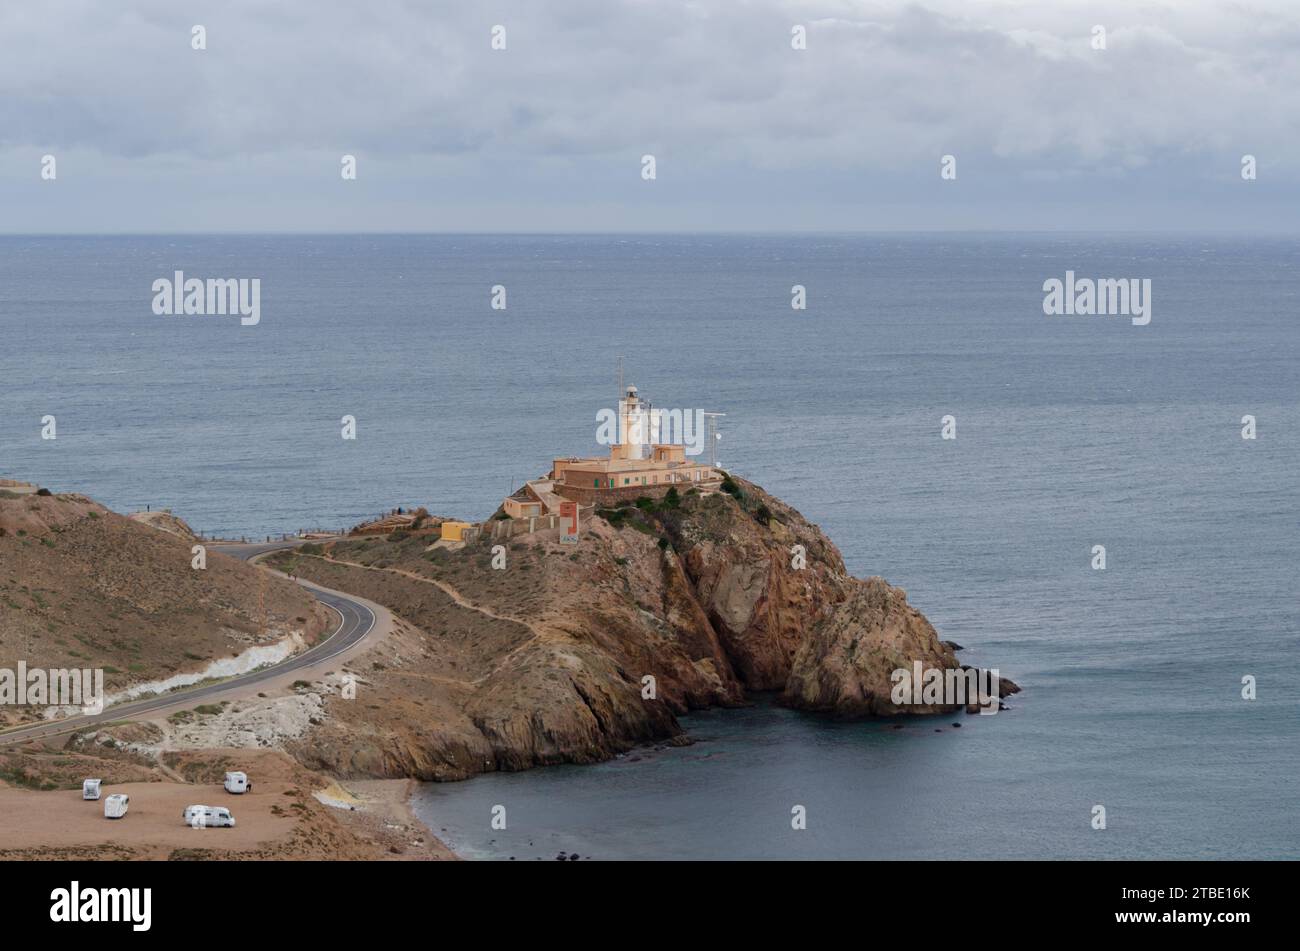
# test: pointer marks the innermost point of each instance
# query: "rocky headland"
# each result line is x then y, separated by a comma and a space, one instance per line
491, 655
574, 654
499, 656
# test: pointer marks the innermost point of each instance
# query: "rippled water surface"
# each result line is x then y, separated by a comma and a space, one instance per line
1071, 432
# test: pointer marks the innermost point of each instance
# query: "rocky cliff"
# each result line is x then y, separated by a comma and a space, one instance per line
845, 664
549, 653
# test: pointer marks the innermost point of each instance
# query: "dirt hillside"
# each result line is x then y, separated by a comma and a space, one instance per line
83, 587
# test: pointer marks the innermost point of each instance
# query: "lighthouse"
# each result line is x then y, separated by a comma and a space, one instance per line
635, 430
639, 465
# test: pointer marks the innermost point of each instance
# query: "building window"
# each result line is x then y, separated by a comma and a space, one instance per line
596, 483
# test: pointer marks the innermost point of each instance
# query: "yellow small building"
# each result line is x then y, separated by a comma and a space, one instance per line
454, 531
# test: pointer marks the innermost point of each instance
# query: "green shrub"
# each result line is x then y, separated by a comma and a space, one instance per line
615, 517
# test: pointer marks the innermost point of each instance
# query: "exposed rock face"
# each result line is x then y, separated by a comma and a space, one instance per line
396, 521
573, 654
735, 577
844, 666
165, 521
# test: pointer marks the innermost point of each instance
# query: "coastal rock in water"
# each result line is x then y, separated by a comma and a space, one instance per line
1006, 687
844, 665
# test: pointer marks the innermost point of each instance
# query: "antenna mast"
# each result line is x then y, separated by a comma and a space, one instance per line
713, 437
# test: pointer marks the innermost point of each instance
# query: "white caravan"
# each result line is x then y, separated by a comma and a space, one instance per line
200, 817
238, 783
115, 806
90, 788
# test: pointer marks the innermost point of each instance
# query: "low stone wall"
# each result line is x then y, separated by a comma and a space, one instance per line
608, 498
611, 497
501, 529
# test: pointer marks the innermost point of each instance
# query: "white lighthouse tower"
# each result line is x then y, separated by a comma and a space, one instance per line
634, 420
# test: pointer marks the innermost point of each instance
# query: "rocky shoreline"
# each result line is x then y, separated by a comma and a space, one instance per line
578, 654
485, 658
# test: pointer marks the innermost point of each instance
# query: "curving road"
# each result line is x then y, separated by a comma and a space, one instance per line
356, 621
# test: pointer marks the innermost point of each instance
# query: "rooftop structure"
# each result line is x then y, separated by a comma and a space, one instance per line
638, 464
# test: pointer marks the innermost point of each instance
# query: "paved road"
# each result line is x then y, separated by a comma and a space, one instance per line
355, 622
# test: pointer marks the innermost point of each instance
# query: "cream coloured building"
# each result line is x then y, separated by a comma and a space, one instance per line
636, 465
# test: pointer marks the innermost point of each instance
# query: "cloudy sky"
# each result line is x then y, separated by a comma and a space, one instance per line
748, 134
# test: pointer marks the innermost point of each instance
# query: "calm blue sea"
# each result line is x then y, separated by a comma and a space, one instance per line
1072, 432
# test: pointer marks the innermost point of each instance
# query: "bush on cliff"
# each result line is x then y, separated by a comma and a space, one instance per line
615, 517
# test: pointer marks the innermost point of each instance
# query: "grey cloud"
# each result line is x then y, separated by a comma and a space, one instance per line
711, 87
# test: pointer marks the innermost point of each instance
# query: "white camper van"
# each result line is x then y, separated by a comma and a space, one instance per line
115, 806
90, 788
201, 817
238, 783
